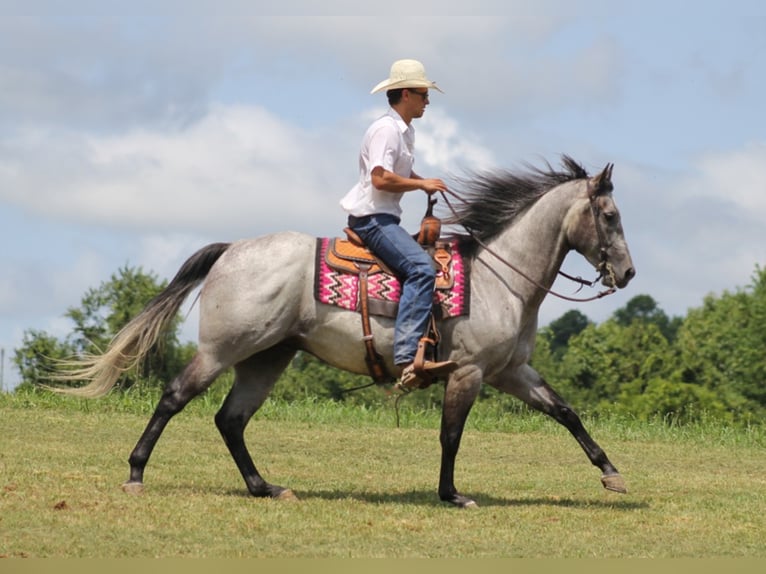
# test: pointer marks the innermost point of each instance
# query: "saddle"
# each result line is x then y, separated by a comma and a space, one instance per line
350, 255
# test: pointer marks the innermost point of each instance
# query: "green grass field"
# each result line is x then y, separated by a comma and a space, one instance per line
367, 489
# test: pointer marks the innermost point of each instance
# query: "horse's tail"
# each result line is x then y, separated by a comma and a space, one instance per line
131, 344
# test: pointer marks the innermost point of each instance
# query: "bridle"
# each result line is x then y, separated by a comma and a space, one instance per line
604, 266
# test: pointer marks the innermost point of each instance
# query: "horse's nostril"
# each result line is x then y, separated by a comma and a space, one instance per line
629, 274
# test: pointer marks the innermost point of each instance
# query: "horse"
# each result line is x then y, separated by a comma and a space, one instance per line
257, 309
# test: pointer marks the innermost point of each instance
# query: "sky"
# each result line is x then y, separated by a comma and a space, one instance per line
134, 133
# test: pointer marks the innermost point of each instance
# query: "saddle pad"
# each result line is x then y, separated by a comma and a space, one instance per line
334, 287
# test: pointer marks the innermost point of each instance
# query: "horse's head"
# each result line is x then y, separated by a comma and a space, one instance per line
595, 230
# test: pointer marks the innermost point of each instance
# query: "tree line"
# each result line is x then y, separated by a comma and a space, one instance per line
639, 362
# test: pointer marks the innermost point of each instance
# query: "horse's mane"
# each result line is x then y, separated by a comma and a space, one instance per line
491, 200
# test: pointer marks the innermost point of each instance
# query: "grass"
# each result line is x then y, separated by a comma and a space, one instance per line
367, 489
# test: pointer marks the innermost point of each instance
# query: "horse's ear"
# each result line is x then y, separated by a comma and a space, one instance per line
602, 183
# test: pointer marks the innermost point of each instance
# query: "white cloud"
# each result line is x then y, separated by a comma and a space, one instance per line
105, 72
443, 144
737, 176
237, 167
694, 234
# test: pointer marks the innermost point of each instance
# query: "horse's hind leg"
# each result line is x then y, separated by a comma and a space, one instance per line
194, 379
255, 377
526, 384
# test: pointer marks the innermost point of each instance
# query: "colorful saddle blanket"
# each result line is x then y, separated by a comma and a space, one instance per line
333, 286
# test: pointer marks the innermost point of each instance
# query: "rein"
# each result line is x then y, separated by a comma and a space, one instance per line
603, 266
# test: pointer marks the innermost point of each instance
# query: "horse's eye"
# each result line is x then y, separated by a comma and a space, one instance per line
610, 216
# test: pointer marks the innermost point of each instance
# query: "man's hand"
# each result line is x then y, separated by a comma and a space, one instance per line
432, 185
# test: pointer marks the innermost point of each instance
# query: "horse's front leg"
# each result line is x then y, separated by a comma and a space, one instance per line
527, 384
460, 392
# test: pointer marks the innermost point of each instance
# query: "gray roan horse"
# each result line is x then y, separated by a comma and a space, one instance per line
257, 309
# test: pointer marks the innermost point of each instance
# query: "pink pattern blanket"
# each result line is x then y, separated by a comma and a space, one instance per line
333, 287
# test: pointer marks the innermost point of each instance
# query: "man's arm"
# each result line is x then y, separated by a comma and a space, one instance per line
385, 180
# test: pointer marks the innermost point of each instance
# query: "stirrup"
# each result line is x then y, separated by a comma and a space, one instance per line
409, 380
422, 376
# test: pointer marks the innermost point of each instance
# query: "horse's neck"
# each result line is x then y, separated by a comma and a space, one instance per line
535, 243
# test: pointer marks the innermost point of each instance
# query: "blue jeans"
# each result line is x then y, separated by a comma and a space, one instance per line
412, 265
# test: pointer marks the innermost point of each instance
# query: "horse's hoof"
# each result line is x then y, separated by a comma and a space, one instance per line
461, 501
614, 482
287, 494
133, 487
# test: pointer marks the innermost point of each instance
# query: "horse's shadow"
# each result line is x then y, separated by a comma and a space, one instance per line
429, 498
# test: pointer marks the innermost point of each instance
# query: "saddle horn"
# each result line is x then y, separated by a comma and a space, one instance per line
430, 226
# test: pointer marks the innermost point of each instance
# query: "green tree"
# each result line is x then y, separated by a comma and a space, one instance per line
102, 313
602, 359
104, 310
672, 400
644, 308
552, 344
39, 355
307, 376
722, 346
560, 330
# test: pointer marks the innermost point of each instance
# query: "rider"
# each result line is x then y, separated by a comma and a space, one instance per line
385, 174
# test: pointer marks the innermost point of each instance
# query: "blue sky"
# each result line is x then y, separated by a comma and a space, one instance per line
135, 133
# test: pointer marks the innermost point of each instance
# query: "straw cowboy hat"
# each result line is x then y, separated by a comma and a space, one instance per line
406, 74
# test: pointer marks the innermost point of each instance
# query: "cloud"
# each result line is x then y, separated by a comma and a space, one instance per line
736, 177
48, 286
445, 145
694, 232
94, 69
237, 166
105, 72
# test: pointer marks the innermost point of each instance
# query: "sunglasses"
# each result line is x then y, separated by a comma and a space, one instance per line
423, 95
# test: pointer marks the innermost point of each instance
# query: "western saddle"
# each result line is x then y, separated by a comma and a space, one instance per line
350, 255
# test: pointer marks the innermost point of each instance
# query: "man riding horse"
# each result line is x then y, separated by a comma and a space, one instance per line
373, 204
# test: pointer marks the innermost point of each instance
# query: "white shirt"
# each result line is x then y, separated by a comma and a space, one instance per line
389, 143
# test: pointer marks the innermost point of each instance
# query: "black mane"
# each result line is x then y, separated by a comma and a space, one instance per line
491, 200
